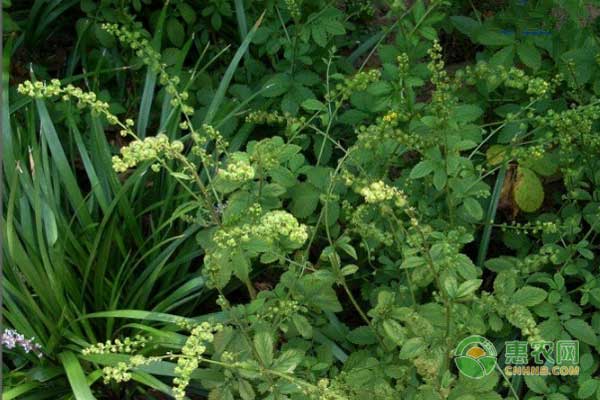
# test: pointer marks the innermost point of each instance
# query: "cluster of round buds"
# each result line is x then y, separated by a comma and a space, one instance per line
265, 117
522, 319
378, 192
378, 135
403, 65
127, 345
40, 90
535, 262
358, 83
543, 227
428, 367
191, 352
282, 309
140, 43
238, 171
442, 98
281, 224
122, 371
325, 391
151, 148
436, 64
293, 8
538, 87
292, 124
271, 227
391, 116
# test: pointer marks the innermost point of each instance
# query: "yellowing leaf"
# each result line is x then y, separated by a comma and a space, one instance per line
528, 191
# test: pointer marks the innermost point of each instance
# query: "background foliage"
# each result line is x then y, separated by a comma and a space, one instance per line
295, 199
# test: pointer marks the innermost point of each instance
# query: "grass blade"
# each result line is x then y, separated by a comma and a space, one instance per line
76, 376
224, 85
490, 215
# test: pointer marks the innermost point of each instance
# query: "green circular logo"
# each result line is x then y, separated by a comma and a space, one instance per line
475, 357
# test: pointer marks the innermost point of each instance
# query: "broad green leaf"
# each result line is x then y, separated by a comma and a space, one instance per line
467, 112
175, 32
537, 384
529, 55
528, 190
489, 37
529, 296
422, 169
473, 208
411, 348
288, 361
263, 343
588, 388
305, 199
581, 330
466, 25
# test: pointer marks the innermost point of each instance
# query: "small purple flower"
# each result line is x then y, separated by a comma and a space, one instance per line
12, 339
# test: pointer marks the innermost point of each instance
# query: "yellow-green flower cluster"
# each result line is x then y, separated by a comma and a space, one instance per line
272, 227
282, 309
379, 134
238, 170
293, 7
520, 317
292, 124
403, 65
356, 83
143, 49
42, 90
379, 192
210, 134
127, 345
442, 99
151, 148
189, 360
537, 87
122, 371
269, 153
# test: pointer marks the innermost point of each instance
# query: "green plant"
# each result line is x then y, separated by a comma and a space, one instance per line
345, 224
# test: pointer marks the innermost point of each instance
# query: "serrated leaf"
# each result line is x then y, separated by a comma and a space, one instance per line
467, 112
466, 25
288, 361
302, 325
529, 55
312, 105
588, 388
581, 330
529, 296
473, 208
411, 348
246, 390
422, 169
263, 343
305, 199
363, 335
536, 384
468, 287
394, 330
